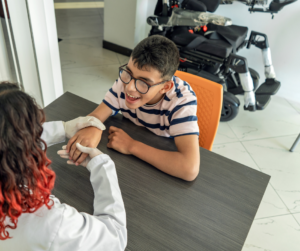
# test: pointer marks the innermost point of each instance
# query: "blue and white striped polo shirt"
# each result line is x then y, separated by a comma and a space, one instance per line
174, 115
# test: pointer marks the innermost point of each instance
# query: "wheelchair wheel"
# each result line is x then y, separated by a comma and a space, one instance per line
230, 107
232, 88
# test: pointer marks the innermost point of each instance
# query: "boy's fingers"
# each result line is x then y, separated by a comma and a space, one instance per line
113, 129
110, 144
73, 149
111, 135
76, 155
70, 162
82, 158
71, 141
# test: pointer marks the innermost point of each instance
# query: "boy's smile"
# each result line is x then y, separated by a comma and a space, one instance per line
149, 75
131, 99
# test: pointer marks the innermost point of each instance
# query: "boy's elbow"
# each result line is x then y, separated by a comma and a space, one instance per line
191, 172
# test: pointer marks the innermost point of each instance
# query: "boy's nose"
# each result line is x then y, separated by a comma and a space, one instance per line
131, 86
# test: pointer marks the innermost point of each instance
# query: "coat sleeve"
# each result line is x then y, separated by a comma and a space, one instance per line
106, 228
53, 133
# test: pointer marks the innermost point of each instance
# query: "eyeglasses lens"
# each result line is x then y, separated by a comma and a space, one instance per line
141, 86
125, 76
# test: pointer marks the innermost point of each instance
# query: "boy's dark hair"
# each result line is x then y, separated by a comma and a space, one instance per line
158, 52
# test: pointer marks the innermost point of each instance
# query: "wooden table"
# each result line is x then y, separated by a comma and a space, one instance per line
214, 212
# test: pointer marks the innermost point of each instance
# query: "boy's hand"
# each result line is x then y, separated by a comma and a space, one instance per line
119, 140
88, 137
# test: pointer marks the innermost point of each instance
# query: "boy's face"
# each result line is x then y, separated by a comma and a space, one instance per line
135, 99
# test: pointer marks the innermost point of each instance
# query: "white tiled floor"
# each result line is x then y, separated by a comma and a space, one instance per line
260, 140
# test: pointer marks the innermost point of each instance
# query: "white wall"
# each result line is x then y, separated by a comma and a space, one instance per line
119, 22
125, 21
44, 33
284, 39
5, 71
24, 49
36, 48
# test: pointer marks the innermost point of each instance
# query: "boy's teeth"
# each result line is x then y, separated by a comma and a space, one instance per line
131, 96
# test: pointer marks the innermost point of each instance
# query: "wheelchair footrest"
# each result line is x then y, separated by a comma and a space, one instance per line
261, 103
269, 87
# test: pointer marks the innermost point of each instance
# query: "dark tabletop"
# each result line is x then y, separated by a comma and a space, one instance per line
214, 212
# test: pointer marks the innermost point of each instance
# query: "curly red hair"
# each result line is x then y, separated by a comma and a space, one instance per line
26, 179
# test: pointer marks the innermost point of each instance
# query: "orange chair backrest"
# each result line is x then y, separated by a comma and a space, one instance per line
209, 106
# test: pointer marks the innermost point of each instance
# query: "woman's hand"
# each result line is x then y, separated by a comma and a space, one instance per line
92, 152
73, 126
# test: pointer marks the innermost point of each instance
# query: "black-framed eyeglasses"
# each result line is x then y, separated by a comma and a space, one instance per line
141, 86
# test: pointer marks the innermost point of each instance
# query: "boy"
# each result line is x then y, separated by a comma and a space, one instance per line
149, 95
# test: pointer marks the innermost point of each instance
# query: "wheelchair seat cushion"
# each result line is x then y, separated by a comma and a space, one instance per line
219, 48
219, 41
233, 34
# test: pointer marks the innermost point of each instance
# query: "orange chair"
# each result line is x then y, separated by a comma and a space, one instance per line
209, 106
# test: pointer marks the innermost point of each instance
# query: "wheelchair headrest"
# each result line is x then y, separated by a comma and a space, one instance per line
201, 5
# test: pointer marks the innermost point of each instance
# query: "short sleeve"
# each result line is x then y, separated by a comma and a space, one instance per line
111, 98
183, 119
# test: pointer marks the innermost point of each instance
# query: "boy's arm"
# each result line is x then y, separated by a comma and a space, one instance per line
184, 163
90, 136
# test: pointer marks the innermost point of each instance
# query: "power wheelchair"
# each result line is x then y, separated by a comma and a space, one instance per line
208, 46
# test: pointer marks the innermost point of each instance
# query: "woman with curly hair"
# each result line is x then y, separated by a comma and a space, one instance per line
30, 217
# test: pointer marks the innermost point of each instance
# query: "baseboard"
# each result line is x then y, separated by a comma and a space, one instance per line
116, 48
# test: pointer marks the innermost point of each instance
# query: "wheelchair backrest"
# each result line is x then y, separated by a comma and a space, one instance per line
196, 5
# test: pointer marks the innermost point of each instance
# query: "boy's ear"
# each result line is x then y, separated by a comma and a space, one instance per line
167, 86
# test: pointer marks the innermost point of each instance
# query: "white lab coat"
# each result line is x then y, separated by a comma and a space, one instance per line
62, 227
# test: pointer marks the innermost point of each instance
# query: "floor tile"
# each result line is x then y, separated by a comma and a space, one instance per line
122, 59
84, 52
271, 205
101, 11
237, 152
273, 157
79, 26
274, 234
224, 134
60, 13
297, 217
294, 104
91, 83
278, 119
